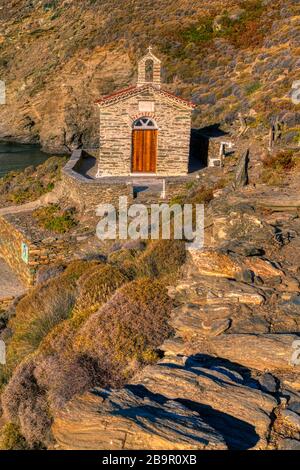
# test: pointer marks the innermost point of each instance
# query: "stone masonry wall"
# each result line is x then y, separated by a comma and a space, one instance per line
88, 193
174, 132
11, 250
40, 252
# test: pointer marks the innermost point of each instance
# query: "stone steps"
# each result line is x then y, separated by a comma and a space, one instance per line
145, 190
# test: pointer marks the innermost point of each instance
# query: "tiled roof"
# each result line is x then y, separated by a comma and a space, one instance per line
131, 91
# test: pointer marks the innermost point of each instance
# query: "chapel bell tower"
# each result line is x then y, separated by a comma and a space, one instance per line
149, 69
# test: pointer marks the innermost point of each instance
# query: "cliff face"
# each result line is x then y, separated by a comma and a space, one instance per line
228, 56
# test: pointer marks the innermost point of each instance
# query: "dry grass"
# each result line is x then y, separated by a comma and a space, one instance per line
126, 260
162, 259
36, 315
95, 288
277, 166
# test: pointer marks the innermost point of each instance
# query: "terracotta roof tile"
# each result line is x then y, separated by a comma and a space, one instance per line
122, 94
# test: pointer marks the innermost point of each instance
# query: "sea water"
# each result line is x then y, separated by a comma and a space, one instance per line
19, 156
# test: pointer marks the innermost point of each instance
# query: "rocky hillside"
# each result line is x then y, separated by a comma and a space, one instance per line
230, 375
141, 346
230, 56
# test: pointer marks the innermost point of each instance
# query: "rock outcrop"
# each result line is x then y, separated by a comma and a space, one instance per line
230, 377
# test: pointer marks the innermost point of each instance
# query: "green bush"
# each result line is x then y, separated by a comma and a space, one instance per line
11, 438
55, 219
201, 32
252, 88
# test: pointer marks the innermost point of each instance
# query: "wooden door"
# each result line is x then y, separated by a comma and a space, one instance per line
144, 151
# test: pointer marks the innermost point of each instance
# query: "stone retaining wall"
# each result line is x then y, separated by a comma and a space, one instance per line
11, 249
87, 193
39, 252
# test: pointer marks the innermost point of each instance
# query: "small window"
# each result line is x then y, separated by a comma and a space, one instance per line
149, 70
144, 123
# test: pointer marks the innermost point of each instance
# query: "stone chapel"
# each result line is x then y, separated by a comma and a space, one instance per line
144, 130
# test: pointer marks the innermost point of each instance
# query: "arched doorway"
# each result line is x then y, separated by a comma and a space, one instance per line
144, 146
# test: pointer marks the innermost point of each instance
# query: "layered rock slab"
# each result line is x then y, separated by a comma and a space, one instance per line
132, 418
261, 352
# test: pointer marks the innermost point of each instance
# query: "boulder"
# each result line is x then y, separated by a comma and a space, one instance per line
172, 405
132, 418
261, 267
241, 176
264, 352
214, 263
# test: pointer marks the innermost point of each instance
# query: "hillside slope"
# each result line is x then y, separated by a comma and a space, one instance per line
229, 56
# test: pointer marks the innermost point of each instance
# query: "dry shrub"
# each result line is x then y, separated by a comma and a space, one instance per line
24, 404
77, 268
281, 161
39, 312
126, 332
35, 421
202, 195
45, 273
162, 258
272, 178
125, 260
11, 438
63, 377
95, 288
59, 339
277, 166
36, 314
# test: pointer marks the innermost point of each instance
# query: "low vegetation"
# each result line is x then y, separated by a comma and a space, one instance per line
25, 405
95, 288
56, 219
126, 332
162, 259
276, 167
245, 27
11, 438
28, 185
92, 323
